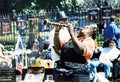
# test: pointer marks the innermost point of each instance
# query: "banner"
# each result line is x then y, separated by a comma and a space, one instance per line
93, 15
21, 22
106, 12
5, 26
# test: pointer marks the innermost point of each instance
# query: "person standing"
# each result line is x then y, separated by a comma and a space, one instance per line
72, 48
75, 50
68, 45
112, 31
81, 47
63, 19
82, 44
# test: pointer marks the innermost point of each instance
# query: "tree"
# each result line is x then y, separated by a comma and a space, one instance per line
98, 3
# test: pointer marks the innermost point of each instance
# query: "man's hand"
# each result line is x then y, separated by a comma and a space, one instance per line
57, 29
70, 28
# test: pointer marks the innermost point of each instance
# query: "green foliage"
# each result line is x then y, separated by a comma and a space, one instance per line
100, 37
28, 6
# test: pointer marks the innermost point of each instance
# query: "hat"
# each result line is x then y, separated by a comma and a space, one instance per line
1, 45
61, 16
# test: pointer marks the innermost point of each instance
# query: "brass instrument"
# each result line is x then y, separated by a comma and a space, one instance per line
46, 21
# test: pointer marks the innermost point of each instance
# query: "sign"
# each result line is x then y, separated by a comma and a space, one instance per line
106, 12
5, 26
21, 22
93, 15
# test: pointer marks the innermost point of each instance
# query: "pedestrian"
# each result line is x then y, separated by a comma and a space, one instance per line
112, 31
74, 49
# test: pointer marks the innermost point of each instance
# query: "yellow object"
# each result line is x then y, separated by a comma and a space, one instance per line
45, 63
37, 63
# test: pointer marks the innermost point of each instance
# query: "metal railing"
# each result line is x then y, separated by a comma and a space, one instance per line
33, 27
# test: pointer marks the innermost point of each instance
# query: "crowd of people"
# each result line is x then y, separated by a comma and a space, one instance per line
107, 57
78, 48
112, 31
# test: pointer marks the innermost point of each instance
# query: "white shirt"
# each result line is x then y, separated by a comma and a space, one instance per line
63, 35
55, 56
108, 53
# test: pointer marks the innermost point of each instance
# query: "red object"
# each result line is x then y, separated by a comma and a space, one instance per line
19, 65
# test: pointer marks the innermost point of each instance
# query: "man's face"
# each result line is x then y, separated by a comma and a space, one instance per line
85, 31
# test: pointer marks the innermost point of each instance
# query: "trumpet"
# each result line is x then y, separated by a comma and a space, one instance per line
46, 21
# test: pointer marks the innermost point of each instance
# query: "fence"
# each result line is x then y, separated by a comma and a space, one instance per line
11, 28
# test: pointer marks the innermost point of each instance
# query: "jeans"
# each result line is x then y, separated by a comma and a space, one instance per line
95, 64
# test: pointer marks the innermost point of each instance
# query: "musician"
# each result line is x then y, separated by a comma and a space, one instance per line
74, 50
71, 47
5, 60
55, 54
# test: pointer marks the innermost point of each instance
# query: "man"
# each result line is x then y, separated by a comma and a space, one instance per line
112, 31
82, 45
61, 16
74, 49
